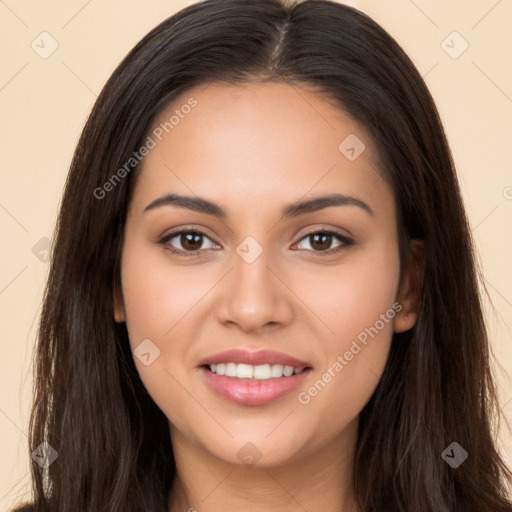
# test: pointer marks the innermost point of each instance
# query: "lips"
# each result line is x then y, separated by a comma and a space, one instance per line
250, 391
241, 356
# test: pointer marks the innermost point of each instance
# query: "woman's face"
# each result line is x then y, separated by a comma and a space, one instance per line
264, 276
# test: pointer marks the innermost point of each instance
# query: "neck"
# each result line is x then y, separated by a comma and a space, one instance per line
322, 480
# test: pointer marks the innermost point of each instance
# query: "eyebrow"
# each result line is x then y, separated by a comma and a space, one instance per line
295, 209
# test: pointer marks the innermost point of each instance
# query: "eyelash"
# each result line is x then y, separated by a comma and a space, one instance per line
346, 242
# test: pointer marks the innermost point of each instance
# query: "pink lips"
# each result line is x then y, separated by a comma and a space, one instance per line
253, 392
240, 356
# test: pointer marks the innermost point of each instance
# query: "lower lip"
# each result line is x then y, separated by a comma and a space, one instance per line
253, 392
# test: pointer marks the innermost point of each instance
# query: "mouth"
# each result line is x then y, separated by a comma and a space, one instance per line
256, 378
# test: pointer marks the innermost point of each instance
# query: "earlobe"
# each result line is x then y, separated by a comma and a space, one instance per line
411, 284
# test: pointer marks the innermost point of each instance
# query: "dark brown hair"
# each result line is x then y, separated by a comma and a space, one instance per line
112, 441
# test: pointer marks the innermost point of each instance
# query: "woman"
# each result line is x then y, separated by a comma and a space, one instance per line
326, 350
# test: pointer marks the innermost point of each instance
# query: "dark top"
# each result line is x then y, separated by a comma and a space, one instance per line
25, 507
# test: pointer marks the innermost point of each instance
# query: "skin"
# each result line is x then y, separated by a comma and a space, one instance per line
254, 149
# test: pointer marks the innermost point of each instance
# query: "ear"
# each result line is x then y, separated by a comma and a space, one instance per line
409, 290
118, 305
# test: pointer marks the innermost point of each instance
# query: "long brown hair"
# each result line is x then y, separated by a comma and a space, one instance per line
90, 406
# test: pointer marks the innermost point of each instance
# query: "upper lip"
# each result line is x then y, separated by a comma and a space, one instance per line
242, 356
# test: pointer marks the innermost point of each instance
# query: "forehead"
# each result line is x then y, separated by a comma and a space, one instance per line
257, 142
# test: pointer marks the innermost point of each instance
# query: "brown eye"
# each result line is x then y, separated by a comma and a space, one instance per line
184, 242
191, 241
321, 241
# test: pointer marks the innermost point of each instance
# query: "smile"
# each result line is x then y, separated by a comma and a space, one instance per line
253, 378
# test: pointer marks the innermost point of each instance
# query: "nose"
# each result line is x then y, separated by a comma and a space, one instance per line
254, 295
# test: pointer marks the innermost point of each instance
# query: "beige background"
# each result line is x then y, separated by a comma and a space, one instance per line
44, 103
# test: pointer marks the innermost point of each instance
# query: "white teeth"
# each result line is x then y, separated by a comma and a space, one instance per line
288, 371
276, 371
262, 372
244, 371
258, 372
230, 370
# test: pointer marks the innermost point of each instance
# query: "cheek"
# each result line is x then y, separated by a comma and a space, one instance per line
157, 300
351, 296
157, 295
